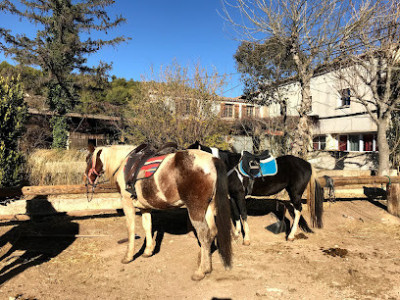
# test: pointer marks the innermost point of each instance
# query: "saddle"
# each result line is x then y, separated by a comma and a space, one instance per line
144, 157
254, 166
251, 163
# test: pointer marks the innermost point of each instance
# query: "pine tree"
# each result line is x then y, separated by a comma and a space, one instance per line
13, 113
58, 48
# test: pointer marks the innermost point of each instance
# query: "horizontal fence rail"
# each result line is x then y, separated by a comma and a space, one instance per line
68, 189
342, 181
112, 188
392, 187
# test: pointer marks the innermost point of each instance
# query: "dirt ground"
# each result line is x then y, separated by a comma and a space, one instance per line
355, 256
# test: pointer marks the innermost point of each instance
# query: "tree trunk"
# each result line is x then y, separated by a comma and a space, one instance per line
303, 136
383, 154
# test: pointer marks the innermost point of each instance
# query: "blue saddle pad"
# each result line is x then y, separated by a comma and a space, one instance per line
269, 167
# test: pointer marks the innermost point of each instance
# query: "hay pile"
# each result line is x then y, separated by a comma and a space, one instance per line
53, 167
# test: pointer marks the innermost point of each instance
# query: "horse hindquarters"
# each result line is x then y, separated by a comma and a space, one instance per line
197, 187
215, 224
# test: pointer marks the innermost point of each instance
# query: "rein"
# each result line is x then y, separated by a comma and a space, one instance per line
94, 183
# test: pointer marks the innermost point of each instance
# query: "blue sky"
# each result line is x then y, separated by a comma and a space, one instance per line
186, 30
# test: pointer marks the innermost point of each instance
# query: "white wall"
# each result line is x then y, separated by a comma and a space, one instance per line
326, 104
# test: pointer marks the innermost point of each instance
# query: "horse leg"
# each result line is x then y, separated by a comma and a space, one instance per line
296, 200
236, 218
210, 219
240, 201
246, 228
204, 234
147, 226
129, 211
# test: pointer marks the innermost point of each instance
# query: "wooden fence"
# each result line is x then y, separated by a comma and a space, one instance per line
392, 187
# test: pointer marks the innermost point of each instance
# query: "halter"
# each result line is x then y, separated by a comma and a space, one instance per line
91, 171
94, 183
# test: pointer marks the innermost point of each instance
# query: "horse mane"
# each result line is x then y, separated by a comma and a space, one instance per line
113, 157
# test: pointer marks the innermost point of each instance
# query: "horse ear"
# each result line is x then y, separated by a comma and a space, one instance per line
198, 145
91, 148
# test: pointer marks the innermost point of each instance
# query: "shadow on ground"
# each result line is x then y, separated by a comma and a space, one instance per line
34, 242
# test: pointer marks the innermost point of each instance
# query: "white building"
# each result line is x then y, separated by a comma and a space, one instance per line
341, 124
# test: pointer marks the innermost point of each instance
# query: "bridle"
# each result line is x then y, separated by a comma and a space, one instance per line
89, 181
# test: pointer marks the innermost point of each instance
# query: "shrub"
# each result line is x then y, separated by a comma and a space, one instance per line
13, 112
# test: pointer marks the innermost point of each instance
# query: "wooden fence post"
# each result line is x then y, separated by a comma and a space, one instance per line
393, 199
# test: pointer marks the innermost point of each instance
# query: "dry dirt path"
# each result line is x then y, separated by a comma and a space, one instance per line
355, 256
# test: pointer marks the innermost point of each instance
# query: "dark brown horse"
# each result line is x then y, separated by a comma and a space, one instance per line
293, 174
190, 178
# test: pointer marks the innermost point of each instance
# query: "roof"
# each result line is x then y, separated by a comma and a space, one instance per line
34, 111
240, 99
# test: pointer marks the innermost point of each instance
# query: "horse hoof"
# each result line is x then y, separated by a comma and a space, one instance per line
290, 239
246, 242
147, 254
235, 236
198, 276
126, 261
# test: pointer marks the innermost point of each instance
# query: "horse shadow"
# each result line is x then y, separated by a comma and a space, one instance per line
175, 222
36, 241
276, 207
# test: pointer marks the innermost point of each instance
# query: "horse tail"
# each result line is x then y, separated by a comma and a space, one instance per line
304, 226
223, 216
315, 200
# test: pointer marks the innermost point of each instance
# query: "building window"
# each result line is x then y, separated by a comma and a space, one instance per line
227, 111
354, 142
370, 142
343, 143
249, 111
358, 142
182, 107
319, 142
345, 97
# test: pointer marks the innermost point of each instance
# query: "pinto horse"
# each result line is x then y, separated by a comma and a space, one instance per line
190, 178
294, 174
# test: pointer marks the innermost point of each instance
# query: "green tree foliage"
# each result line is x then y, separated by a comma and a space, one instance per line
58, 48
31, 78
262, 64
12, 119
98, 95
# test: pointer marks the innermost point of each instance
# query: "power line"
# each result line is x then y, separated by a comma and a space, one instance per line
231, 88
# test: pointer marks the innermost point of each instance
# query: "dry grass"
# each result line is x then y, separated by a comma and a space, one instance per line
53, 167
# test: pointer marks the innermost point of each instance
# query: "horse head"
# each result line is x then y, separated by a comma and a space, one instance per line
199, 146
94, 166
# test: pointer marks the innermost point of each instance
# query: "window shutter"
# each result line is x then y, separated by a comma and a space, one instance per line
236, 116
221, 111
